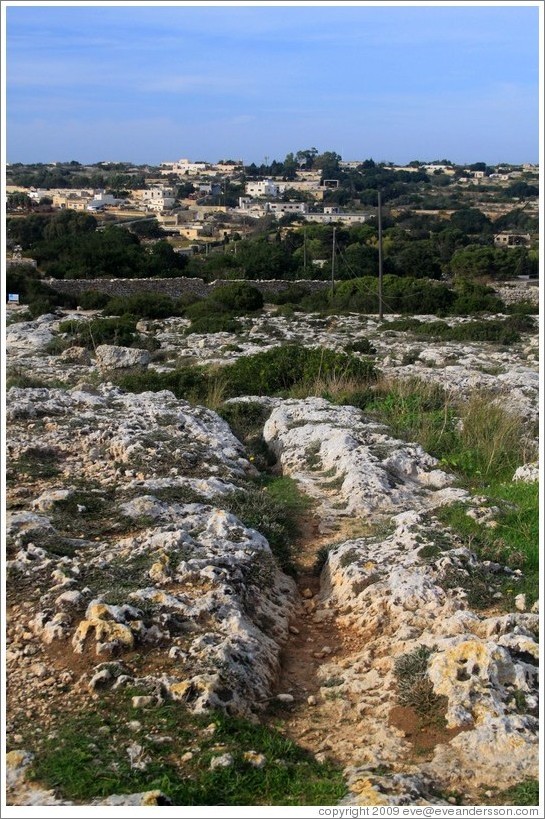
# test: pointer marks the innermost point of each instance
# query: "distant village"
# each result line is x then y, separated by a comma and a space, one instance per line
197, 203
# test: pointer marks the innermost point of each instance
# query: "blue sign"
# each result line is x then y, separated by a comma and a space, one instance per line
13, 297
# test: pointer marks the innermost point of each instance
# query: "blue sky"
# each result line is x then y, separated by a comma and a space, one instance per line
157, 83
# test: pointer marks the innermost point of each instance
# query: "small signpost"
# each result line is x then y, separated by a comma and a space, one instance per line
13, 298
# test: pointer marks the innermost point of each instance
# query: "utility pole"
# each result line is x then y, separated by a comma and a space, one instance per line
380, 308
333, 263
305, 251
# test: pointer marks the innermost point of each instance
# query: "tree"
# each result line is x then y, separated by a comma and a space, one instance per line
328, 163
26, 232
18, 201
522, 190
148, 229
473, 261
470, 220
306, 158
69, 222
417, 259
261, 259
290, 167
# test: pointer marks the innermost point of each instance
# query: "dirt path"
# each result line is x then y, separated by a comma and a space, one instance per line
315, 638
327, 723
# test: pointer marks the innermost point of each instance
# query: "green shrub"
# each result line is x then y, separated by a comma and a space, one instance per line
361, 345
401, 325
473, 297
189, 383
278, 370
121, 331
184, 301
93, 300
275, 371
240, 297
214, 324
400, 294
316, 302
293, 294
522, 308
500, 331
414, 687
143, 305
495, 330
521, 322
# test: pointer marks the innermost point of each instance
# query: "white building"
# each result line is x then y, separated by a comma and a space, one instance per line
102, 199
159, 199
184, 166
280, 208
331, 215
264, 187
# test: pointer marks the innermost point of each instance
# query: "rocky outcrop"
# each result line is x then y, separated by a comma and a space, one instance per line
190, 582
483, 666
342, 458
394, 589
120, 546
110, 357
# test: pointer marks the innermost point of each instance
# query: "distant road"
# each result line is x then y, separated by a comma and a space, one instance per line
126, 222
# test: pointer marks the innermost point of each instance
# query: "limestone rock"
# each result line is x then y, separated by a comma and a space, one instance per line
110, 357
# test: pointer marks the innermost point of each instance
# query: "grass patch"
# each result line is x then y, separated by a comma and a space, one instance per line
414, 687
274, 372
19, 378
115, 580
525, 793
476, 438
273, 509
415, 411
479, 585
514, 542
36, 463
90, 756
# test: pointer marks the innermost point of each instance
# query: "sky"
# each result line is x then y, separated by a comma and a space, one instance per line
156, 83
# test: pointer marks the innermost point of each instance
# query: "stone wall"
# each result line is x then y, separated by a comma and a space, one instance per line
516, 291
510, 292
169, 287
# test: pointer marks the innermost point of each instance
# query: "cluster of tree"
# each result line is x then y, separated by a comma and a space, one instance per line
417, 246
74, 175
68, 245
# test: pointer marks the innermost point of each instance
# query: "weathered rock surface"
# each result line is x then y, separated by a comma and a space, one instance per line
118, 546
481, 665
111, 357
369, 473
198, 587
